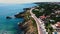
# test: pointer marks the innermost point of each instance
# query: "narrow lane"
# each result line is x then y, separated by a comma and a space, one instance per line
38, 22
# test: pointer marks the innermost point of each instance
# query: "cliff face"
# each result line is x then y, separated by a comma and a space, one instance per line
29, 26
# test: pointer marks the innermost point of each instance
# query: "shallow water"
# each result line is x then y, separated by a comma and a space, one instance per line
10, 26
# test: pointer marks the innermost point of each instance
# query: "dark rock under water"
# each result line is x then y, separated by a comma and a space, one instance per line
8, 17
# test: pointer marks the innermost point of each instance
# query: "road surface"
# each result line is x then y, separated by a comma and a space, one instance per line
38, 22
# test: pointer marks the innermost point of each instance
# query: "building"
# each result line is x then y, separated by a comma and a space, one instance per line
57, 25
57, 12
43, 17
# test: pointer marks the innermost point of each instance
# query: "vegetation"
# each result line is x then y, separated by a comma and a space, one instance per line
56, 19
48, 27
34, 24
48, 10
29, 26
37, 13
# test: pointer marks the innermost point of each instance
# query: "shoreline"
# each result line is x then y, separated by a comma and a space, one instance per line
28, 25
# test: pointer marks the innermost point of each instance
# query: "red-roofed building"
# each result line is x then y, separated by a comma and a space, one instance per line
43, 17
57, 26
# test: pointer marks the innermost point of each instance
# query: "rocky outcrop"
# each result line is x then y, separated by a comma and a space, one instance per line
8, 17
27, 25
20, 15
26, 8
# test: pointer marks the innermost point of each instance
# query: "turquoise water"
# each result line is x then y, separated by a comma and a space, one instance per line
10, 26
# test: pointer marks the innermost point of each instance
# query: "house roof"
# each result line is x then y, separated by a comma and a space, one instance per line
58, 24
43, 17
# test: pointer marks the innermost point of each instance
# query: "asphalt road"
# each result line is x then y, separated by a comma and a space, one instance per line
38, 22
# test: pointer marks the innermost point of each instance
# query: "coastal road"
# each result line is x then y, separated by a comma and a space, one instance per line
38, 22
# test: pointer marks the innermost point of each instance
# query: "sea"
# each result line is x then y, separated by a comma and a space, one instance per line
10, 26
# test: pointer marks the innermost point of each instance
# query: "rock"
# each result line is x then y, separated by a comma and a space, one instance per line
26, 8
8, 17
20, 15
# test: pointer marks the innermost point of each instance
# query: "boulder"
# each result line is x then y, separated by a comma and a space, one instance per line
8, 17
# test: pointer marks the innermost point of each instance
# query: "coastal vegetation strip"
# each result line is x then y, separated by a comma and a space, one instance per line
29, 25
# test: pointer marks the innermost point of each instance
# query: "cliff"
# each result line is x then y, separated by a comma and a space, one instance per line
28, 26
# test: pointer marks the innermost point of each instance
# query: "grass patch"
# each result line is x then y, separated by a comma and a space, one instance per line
35, 25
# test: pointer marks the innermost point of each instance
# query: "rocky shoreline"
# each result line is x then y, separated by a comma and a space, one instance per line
28, 25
